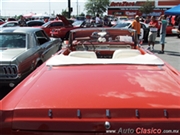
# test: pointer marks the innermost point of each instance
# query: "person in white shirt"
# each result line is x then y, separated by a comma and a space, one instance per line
97, 19
153, 26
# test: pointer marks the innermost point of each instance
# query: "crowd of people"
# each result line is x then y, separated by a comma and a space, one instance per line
153, 22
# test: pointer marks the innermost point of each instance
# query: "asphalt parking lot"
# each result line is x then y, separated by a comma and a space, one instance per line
171, 52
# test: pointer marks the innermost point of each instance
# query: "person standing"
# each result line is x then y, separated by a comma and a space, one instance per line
153, 25
137, 26
57, 18
46, 20
97, 19
147, 20
22, 21
106, 20
164, 23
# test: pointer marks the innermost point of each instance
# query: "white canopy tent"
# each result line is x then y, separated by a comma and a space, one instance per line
28, 15
40, 16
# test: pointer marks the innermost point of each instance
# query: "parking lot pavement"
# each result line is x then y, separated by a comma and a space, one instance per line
171, 52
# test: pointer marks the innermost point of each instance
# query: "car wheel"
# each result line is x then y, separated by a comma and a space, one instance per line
38, 64
178, 35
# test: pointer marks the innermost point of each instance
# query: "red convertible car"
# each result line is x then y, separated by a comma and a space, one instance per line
100, 82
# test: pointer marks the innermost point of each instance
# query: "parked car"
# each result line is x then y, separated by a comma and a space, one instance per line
32, 23
10, 24
82, 18
58, 28
122, 18
100, 82
128, 24
71, 21
175, 31
83, 24
1, 21
11, 19
168, 29
23, 49
78, 23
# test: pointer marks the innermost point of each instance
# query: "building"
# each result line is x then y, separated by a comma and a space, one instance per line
131, 9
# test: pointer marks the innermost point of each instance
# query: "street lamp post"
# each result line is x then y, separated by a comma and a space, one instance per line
69, 8
77, 7
1, 9
49, 8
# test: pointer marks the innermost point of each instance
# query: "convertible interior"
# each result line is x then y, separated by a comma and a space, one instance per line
104, 46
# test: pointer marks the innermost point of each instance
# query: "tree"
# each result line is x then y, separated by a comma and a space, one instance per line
65, 13
94, 7
82, 14
147, 7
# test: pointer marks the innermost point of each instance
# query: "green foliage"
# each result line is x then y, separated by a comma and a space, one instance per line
65, 13
82, 14
147, 7
18, 17
94, 7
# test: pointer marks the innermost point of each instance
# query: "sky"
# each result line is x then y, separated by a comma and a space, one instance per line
21, 7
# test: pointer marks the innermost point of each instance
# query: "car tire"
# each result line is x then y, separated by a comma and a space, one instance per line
178, 35
38, 64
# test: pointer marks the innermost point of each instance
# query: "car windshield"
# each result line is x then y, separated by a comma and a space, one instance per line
122, 24
123, 19
54, 24
34, 23
77, 23
46, 24
12, 40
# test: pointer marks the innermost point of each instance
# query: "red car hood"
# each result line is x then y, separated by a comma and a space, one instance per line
82, 98
66, 22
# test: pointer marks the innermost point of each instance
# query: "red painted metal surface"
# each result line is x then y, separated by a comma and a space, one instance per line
99, 99
93, 89
58, 31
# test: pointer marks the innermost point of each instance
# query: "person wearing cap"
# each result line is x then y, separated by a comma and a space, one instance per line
137, 26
